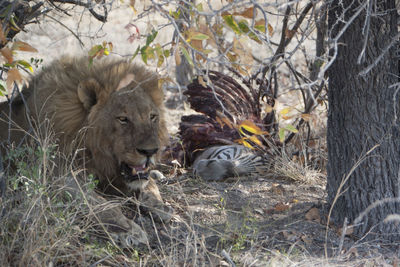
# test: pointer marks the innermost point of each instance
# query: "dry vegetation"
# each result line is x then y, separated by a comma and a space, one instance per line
276, 219
270, 219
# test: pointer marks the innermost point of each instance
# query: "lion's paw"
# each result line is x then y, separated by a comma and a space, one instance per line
157, 208
134, 238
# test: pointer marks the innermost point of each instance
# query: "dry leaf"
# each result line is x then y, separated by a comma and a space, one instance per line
7, 54
247, 13
353, 252
248, 128
395, 262
313, 215
287, 117
261, 23
13, 75
22, 46
285, 111
270, 29
289, 33
277, 189
280, 207
197, 44
278, 216
177, 58
133, 31
289, 235
349, 231
306, 239
202, 82
3, 38
306, 116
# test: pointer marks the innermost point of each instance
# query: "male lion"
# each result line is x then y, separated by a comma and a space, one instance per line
112, 111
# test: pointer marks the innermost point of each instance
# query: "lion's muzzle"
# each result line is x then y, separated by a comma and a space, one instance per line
139, 172
147, 152
132, 173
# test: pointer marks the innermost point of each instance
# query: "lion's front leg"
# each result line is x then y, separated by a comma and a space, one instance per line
151, 201
108, 214
123, 230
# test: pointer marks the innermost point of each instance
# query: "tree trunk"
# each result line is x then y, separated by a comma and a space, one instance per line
363, 113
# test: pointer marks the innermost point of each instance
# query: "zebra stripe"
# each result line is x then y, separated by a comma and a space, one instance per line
220, 162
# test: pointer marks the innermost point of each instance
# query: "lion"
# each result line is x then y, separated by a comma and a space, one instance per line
112, 111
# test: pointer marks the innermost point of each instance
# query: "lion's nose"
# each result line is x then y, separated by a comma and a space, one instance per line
147, 152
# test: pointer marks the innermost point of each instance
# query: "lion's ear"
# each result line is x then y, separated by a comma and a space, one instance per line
126, 81
88, 93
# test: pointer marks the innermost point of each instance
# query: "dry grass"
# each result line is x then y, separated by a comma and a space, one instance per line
284, 167
215, 224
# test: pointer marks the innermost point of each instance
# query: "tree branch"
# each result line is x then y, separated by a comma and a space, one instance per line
102, 18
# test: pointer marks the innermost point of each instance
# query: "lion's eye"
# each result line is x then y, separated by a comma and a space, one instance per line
122, 119
153, 117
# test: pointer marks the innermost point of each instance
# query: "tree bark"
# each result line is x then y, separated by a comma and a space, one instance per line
363, 114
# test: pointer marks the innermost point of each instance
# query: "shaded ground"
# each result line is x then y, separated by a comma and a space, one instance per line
261, 221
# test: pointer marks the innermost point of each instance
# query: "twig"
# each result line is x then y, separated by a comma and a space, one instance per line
100, 261
2, 178
102, 18
308, 108
66, 27
227, 257
340, 191
344, 230
299, 21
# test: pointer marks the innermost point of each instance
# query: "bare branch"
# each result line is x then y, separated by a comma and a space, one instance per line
88, 5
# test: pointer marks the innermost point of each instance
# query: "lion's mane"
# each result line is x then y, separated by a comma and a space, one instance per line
77, 118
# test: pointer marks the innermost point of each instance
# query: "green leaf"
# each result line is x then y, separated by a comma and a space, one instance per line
282, 134
25, 64
150, 38
136, 52
94, 50
254, 37
199, 36
160, 60
2, 90
175, 14
158, 49
186, 55
199, 7
143, 54
244, 27
260, 28
9, 65
147, 53
166, 53
291, 128
232, 23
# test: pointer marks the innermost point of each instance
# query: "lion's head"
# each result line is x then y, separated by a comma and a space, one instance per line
119, 109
